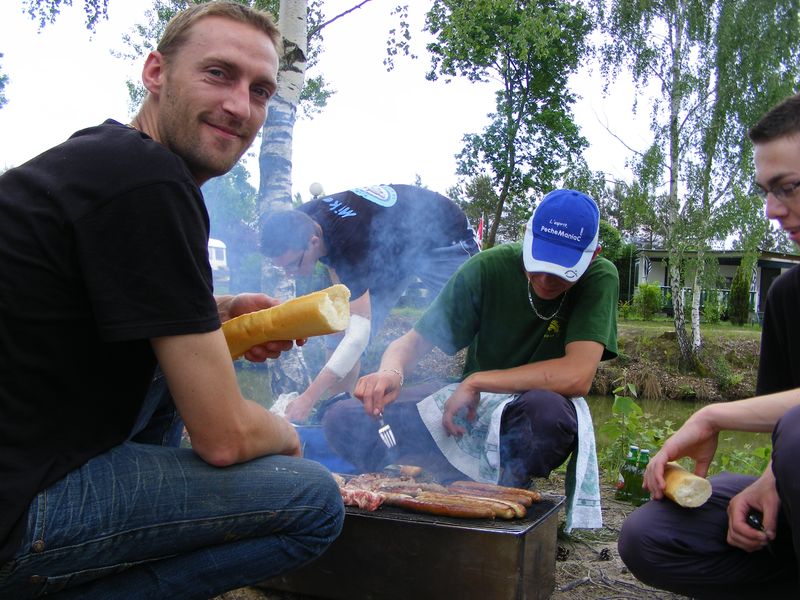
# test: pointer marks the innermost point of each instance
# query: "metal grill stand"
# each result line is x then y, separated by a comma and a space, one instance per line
393, 554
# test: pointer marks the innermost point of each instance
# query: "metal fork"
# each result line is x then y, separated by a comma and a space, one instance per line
386, 433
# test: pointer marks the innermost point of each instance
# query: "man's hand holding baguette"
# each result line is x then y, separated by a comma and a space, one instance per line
241, 304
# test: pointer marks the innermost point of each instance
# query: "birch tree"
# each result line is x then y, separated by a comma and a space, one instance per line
719, 64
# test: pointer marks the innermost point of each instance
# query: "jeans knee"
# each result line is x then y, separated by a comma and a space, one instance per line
635, 545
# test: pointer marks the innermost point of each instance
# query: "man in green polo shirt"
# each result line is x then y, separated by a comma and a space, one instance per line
536, 318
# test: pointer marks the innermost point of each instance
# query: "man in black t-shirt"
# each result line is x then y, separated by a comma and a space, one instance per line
718, 550
376, 240
103, 242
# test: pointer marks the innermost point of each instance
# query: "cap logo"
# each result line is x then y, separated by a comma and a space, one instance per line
561, 233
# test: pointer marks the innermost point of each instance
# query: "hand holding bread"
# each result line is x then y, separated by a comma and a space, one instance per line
319, 313
684, 487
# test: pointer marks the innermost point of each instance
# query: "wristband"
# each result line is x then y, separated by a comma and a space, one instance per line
396, 372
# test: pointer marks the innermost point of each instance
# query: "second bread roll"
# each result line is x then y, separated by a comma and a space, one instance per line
685, 488
318, 313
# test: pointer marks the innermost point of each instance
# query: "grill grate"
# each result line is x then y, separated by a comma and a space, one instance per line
535, 513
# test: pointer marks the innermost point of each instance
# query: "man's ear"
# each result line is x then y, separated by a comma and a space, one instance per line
597, 251
153, 72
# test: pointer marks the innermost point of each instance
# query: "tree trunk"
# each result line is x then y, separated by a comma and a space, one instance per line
290, 372
697, 290
675, 231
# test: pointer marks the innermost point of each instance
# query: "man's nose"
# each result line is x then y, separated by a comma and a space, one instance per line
775, 209
237, 102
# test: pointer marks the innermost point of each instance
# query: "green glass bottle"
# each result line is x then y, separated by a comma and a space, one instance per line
639, 495
626, 472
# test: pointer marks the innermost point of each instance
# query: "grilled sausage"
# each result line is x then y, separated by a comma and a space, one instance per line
500, 510
434, 507
489, 487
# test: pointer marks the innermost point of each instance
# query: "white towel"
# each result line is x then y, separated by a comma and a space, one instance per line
477, 453
583, 480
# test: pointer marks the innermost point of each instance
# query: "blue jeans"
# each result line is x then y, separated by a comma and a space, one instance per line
145, 520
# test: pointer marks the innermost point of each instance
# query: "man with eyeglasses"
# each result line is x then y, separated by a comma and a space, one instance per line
376, 240
743, 542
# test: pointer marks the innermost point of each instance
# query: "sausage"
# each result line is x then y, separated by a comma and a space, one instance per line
518, 508
490, 487
434, 507
500, 510
524, 500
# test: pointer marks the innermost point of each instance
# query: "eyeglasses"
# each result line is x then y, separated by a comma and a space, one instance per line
782, 192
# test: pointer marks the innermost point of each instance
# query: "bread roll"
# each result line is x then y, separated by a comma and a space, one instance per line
318, 313
685, 488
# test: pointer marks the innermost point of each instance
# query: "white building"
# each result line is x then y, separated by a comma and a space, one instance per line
218, 257
652, 267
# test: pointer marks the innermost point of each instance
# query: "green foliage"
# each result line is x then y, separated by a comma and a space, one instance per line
3, 82
720, 64
747, 460
711, 307
625, 310
647, 300
724, 375
46, 11
739, 297
231, 203
530, 49
625, 269
611, 241
629, 424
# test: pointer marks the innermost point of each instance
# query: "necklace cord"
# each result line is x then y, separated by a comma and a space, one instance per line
538, 314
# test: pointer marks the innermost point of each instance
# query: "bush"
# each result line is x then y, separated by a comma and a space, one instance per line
647, 300
711, 307
625, 310
739, 298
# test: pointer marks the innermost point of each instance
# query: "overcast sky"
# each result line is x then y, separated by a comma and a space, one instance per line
378, 128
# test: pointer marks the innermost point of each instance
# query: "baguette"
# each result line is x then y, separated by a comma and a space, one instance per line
318, 313
685, 488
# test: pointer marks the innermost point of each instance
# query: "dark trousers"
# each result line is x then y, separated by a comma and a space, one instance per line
538, 431
684, 550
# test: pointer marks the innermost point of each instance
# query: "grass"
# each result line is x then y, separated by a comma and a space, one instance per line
712, 330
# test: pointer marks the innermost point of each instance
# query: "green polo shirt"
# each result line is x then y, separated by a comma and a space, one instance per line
485, 306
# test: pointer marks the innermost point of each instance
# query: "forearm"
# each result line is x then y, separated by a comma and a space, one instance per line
759, 414
265, 434
401, 355
546, 375
225, 428
321, 383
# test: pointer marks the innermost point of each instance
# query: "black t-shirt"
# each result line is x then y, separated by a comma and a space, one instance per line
377, 235
779, 363
103, 245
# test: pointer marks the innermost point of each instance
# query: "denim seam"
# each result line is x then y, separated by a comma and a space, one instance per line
109, 538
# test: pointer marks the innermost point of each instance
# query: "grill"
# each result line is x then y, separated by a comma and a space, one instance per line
395, 554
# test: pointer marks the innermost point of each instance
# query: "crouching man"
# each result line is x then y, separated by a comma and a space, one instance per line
536, 319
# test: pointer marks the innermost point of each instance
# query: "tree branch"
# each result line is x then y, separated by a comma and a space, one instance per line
336, 18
